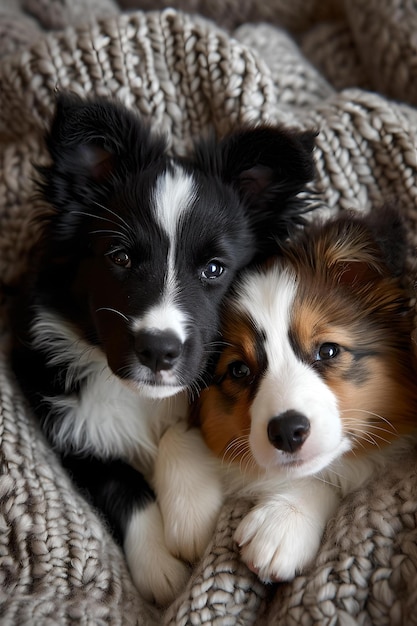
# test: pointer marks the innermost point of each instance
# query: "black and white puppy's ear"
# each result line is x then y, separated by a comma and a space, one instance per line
91, 144
268, 166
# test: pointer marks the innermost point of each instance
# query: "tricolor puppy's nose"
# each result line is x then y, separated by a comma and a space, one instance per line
157, 350
288, 431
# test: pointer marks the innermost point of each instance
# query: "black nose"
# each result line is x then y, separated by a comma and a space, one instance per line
157, 350
288, 431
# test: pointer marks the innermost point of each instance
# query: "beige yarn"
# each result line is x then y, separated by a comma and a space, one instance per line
58, 564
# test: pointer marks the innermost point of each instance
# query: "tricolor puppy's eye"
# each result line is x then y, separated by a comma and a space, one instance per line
212, 270
238, 370
120, 257
327, 351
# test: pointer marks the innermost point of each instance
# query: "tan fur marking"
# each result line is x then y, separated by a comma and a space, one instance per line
224, 408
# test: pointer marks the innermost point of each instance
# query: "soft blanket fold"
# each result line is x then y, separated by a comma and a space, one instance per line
350, 74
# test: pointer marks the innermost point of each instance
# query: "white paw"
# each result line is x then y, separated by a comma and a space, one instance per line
189, 491
277, 542
157, 574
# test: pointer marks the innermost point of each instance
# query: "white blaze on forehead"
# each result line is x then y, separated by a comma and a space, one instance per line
267, 298
175, 192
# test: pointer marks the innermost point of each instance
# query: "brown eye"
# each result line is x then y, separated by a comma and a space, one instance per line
327, 351
239, 369
120, 258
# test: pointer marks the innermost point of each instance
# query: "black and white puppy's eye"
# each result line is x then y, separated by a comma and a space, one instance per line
327, 351
120, 257
212, 270
238, 370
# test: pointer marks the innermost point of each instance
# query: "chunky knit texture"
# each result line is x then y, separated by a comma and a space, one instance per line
58, 564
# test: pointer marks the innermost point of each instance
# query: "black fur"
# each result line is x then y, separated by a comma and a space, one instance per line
100, 184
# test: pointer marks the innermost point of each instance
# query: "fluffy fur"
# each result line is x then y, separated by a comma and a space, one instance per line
120, 312
316, 383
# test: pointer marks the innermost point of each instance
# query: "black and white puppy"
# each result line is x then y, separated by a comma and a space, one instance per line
120, 313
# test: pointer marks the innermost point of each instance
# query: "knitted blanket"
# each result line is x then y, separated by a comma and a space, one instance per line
347, 69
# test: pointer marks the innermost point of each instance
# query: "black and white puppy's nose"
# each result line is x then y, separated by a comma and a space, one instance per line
157, 350
288, 431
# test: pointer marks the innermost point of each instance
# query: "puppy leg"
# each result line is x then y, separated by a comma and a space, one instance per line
281, 535
189, 491
157, 574
122, 494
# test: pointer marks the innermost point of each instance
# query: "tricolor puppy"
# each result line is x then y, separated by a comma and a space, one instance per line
121, 310
316, 384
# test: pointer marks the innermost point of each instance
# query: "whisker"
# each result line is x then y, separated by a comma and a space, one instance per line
353, 425
232, 452
108, 308
362, 434
237, 447
195, 386
233, 449
247, 463
102, 231
124, 233
193, 390
377, 415
362, 444
325, 481
94, 216
124, 370
359, 438
116, 215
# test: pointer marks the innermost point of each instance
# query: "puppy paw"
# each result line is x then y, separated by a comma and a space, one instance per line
157, 574
189, 491
278, 542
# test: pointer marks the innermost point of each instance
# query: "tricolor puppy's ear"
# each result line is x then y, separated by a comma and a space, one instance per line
268, 167
390, 235
90, 142
365, 249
